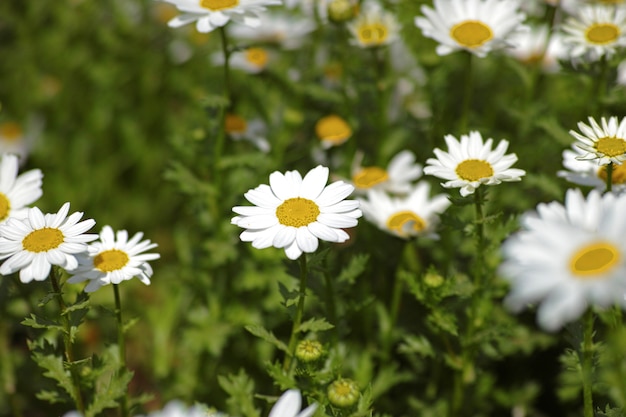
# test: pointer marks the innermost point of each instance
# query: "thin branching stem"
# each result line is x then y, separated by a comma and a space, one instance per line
297, 320
121, 345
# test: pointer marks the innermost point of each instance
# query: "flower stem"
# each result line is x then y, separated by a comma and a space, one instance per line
297, 320
609, 177
587, 363
467, 95
7, 372
600, 85
330, 304
67, 340
480, 236
121, 345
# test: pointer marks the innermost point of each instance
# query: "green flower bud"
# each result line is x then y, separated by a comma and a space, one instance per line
433, 280
343, 393
341, 10
309, 350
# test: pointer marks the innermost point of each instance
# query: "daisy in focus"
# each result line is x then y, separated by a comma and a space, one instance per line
33, 244
604, 142
288, 405
470, 163
414, 215
568, 258
17, 191
114, 259
588, 173
294, 212
596, 31
211, 14
397, 178
477, 26
374, 27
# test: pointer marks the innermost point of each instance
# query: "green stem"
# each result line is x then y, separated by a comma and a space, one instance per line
600, 86
467, 95
67, 340
297, 320
609, 177
7, 371
330, 304
480, 236
121, 345
587, 363
221, 134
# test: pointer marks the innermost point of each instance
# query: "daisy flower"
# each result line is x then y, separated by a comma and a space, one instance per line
18, 139
588, 173
16, 192
605, 142
596, 31
470, 163
414, 215
114, 259
250, 60
289, 32
332, 131
288, 405
374, 27
176, 408
539, 46
33, 244
568, 257
254, 131
477, 26
211, 14
621, 74
397, 178
294, 212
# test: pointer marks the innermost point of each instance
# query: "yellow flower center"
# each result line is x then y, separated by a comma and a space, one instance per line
372, 34
5, 207
235, 124
369, 176
43, 240
110, 260
471, 33
610, 1
297, 212
611, 146
594, 259
404, 221
333, 129
10, 131
602, 33
474, 170
216, 5
618, 176
257, 57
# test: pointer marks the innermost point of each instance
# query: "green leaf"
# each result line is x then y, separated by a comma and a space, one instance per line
417, 345
282, 379
444, 321
240, 389
37, 322
260, 331
315, 325
109, 391
355, 267
55, 370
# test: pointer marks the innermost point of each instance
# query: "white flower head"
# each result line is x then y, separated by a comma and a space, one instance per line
414, 215
604, 142
539, 46
288, 405
114, 259
373, 27
176, 408
253, 130
17, 191
18, 139
568, 257
596, 31
332, 130
397, 178
250, 60
477, 26
588, 173
470, 163
573, 6
294, 212
211, 14
33, 244
621, 73
288, 31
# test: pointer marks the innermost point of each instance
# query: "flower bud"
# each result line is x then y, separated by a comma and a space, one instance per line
309, 350
343, 393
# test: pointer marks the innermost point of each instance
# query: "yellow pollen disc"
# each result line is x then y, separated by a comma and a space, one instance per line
110, 260
10, 131
618, 176
218, 4
594, 259
611, 146
42, 240
297, 212
403, 221
333, 129
474, 170
235, 124
602, 33
471, 33
257, 57
5, 207
370, 176
372, 34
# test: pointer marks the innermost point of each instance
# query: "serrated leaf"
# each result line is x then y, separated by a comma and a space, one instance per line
56, 370
315, 325
417, 345
130, 323
37, 322
444, 321
51, 397
77, 306
240, 389
109, 392
284, 380
355, 267
260, 331
46, 299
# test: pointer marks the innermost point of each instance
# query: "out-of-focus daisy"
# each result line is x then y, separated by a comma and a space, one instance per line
332, 130
254, 131
588, 173
294, 212
397, 178
288, 405
374, 27
287, 31
596, 31
572, 6
414, 215
250, 60
17, 191
477, 26
470, 163
211, 14
114, 259
18, 139
33, 244
538, 46
176, 408
621, 73
605, 142
568, 258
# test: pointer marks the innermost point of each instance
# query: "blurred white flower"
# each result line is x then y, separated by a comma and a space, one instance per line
288, 405
538, 44
401, 171
373, 27
253, 131
589, 173
289, 32
17, 191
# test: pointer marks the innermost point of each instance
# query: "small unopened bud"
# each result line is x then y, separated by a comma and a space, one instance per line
341, 10
343, 393
433, 279
309, 350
